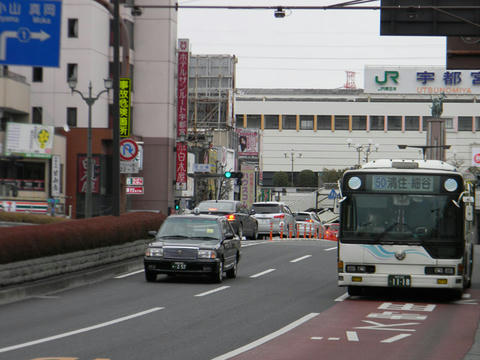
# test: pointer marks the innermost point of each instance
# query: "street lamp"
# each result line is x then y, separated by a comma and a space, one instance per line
424, 148
365, 148
90, 100
292, 157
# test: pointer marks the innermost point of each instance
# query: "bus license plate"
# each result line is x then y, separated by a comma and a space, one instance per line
179, 266
399, 280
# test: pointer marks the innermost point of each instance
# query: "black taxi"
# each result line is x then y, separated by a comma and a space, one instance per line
193, 244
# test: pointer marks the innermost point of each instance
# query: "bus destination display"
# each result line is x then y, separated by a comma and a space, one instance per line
402, 183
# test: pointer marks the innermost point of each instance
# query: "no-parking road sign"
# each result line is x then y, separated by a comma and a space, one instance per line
128, 149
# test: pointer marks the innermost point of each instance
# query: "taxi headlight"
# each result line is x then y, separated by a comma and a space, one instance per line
207, 254
154, 252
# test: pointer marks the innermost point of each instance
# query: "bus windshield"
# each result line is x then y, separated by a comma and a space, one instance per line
401, 219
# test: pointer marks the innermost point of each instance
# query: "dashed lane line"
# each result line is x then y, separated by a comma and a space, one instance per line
212, 291
262, 273
300, 258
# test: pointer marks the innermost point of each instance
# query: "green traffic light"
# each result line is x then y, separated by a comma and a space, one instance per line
227, 174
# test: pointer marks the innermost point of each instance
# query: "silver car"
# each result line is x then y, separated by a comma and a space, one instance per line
275, 217
308, 225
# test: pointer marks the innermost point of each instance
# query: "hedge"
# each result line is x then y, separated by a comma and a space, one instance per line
34, 241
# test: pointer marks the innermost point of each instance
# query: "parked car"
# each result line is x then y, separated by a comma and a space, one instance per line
331, 231
193, 244
308, 225
274, 216
236, 213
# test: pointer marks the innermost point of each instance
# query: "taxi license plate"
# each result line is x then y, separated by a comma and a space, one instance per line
399, 280
179, 266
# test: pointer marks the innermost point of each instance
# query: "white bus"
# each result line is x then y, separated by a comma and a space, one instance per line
406, 224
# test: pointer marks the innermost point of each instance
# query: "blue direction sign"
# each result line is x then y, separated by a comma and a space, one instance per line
30, 32
332, 195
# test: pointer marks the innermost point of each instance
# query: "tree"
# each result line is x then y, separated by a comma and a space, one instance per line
329, 176
280, 179
307, 178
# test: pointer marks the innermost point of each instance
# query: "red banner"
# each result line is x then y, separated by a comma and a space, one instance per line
182, 155
182, 88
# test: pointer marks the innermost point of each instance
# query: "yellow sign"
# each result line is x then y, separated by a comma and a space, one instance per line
124, 105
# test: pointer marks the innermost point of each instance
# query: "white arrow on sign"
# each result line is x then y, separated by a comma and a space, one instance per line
23, 35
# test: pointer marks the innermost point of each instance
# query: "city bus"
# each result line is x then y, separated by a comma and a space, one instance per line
406, 224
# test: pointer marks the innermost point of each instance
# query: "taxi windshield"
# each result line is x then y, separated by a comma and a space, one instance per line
189, 227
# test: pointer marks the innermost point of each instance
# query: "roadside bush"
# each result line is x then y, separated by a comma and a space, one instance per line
34, 241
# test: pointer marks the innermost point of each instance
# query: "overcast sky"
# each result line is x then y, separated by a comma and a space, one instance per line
307, 48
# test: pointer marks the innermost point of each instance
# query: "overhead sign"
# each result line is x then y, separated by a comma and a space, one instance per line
124, 107
29, 140
30, 32
181, 166
128, 149
429, 18
202, 168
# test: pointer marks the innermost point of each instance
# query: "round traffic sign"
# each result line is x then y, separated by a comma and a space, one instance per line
128, 149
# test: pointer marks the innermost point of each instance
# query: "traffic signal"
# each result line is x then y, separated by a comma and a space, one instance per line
233, 175
177, 205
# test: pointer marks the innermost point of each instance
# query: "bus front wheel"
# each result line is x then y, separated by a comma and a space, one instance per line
354, 290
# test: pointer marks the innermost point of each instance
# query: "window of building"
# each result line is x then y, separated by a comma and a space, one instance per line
73, 28
37, 74
341, 122
377, 122
324, 122
394, 123
289, 122
306, 122
37, 115
239, 121
449, 123
72, 71
477, 123
25, 175
271, 122
412, 123
253, 121
359, 122
72, 116
465, 123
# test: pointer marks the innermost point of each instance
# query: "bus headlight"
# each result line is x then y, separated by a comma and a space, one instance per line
439, 270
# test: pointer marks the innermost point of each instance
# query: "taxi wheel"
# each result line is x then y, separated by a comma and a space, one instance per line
232, 273
218, 275
150, 276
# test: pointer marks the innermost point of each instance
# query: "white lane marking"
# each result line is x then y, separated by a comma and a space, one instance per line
266, 338
333, 338
300, 258
262, 273
341, 298
79, 331
129, 274
316, 338
395, 338
352, 336
332, 248
212, 291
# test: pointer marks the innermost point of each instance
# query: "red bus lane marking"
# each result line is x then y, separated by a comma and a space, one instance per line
365, 329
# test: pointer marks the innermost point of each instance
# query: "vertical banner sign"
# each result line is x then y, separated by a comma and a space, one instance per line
124, 105
82, 174
182, 87
55, 176
247, 190
181, 172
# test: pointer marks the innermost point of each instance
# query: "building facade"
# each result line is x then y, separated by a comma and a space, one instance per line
86, 55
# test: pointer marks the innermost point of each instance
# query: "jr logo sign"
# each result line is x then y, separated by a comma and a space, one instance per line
392, 75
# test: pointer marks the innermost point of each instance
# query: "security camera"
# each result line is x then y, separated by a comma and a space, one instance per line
137, 11
279, 13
